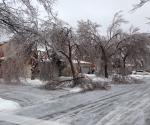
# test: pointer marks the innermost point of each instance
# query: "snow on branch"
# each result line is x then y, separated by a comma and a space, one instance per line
136, 6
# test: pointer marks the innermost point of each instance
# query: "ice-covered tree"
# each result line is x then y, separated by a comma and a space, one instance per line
133, 47
104, 46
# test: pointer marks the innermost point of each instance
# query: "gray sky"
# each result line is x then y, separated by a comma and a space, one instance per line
102, 12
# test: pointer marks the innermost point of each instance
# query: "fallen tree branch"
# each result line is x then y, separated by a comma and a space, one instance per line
71, 79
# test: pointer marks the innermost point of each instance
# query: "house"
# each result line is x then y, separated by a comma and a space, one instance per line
79, 66
85, 66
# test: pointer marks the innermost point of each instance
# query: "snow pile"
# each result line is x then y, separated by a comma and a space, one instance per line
91, 76
34, 83
139, 76
94, 78
101, 79
76, 90
8, 105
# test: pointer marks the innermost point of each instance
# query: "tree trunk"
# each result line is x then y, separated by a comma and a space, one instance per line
70, 61
104, 58
106, 72
72, 68
80, 70
135, 64
124, 66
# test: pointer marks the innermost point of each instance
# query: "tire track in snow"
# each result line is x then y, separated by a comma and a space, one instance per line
95, 104
126, 112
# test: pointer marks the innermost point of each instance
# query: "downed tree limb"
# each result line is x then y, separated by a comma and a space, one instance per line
81, 81
71, 79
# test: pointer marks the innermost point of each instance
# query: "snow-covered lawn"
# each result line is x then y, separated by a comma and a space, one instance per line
34, 83
8, 105
139, 76
93, 77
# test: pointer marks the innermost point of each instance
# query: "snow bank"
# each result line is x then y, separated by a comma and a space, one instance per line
34, 83
91, 76
94, 78
8, 105
101, 79
139, 76
76, 89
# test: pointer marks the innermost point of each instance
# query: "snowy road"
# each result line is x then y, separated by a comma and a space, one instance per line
122, 105
20, 120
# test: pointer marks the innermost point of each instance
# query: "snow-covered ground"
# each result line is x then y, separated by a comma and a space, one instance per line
121, 105
75, 90
34, 83
8, 105
139, 76
96, 79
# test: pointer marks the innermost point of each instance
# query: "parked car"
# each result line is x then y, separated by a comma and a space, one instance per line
140, 72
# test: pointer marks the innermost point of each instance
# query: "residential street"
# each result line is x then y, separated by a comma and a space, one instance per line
121, 105
71, 62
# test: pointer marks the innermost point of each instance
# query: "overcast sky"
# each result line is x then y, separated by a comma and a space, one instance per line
102, 12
